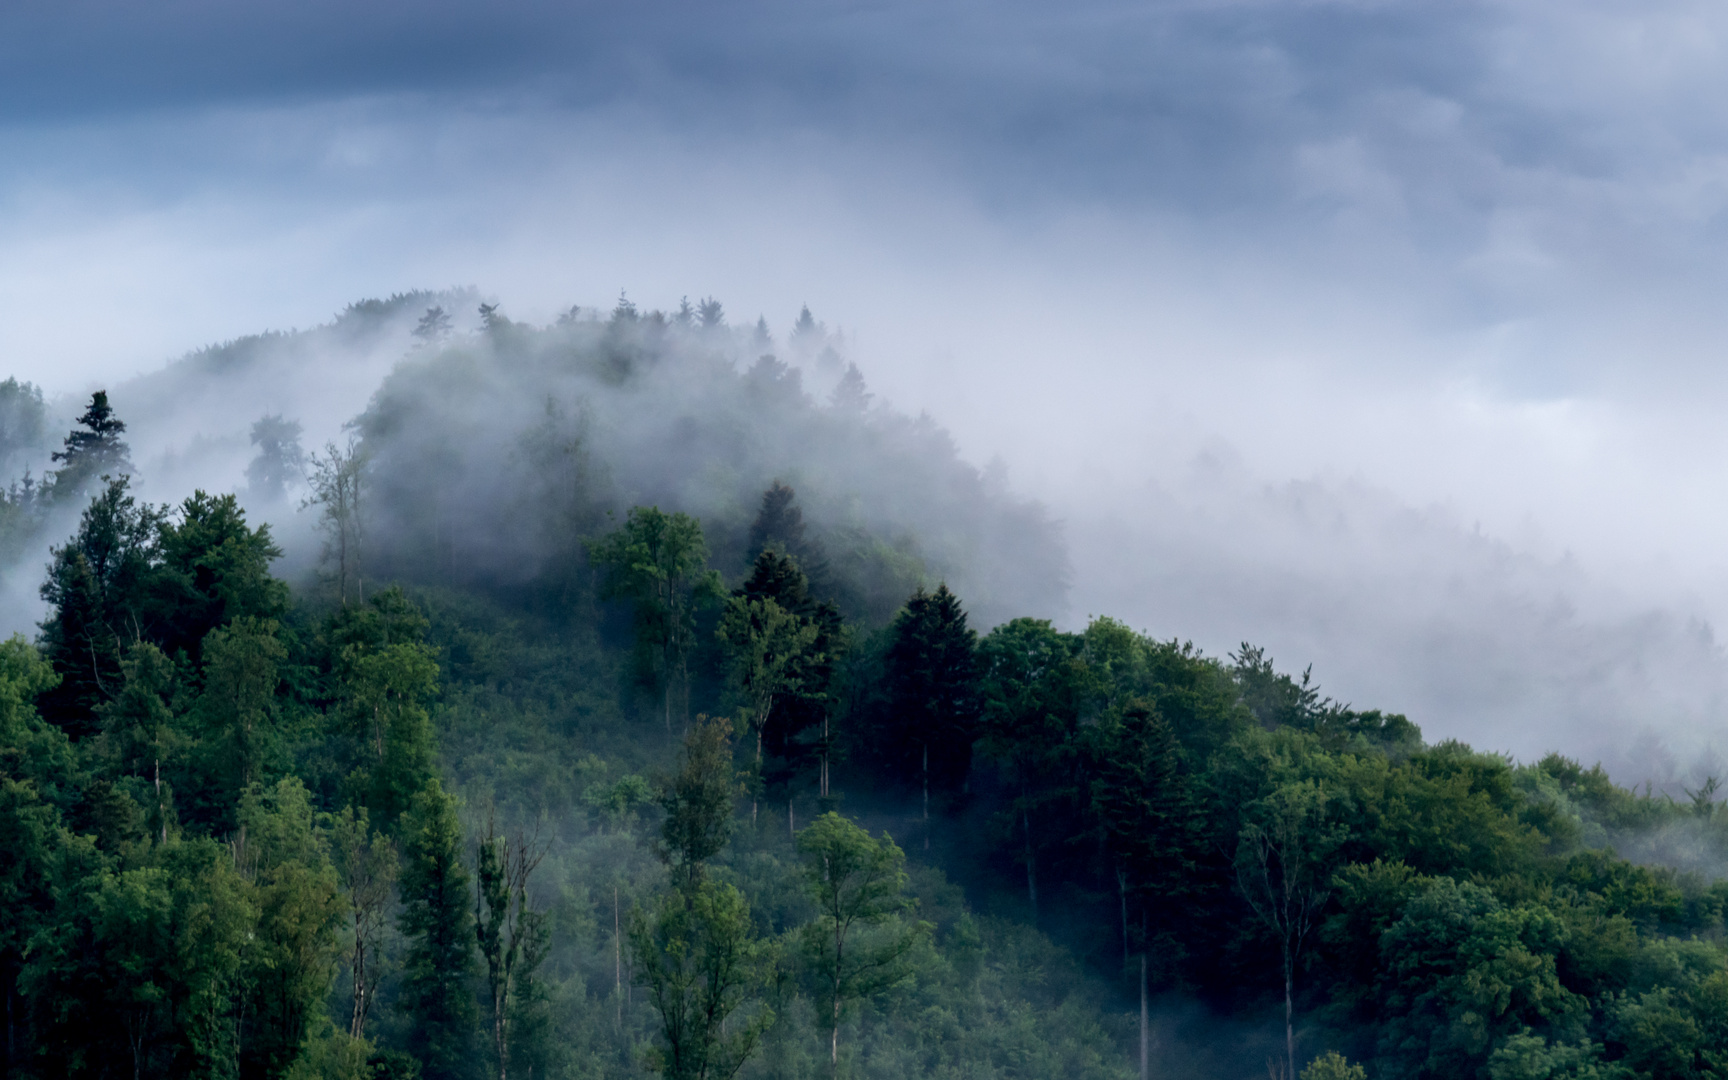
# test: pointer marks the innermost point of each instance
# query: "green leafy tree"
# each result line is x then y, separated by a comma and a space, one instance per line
512, 935
1284, 869
280, 462
659, 562
698, 802
699, 955
291, 958
384, 697
139, 727
368, 865
340, 490
238, 706
1154, 831
770, 649
1034, 690
1335, 1066
857, 946
436, 920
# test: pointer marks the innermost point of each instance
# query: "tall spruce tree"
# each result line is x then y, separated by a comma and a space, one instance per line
92, 451
931, 719
436, 920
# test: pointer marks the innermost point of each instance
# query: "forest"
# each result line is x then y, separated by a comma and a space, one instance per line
643, 709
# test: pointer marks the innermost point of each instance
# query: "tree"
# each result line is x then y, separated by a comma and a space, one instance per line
238, 705
1152, 827
701, 959
932, 677
698, 800
280, 463
96, 452
770, 649
850, 395
1033, 690
291, 956
438, 923
383, 695
212, 568
806, 703
512, 935
23, 423
138, 725
433, 327
857, 945
659, 562
367, 863
338, 482
98, 593
1283, 870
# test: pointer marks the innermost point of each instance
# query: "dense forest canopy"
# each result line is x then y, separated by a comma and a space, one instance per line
653, 700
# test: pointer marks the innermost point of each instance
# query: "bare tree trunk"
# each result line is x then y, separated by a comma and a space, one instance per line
824, 775
1289, 1014
791, 821
357, 1023
1122, 892
926, 796
1145, 1024
1031, 865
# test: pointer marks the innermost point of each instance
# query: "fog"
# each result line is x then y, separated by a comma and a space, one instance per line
1382, 336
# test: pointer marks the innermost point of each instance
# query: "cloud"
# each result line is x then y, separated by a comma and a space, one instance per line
1463, 256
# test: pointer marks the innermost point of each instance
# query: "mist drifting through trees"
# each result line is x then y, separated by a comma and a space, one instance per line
639, 692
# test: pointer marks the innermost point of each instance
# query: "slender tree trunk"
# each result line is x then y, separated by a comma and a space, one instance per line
1289, 1014
357, 1024
1145, 1024
1031, 865
926, 796
161, 811
1122, 892
824, 774
791, 821
755, 787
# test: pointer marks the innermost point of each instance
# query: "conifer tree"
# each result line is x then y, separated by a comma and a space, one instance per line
932, 713
436, 920
96, 451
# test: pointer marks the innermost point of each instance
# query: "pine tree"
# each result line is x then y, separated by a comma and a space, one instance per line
92, 453
933, 707
437, 992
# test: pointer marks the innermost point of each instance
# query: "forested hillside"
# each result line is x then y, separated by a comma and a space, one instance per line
648, 711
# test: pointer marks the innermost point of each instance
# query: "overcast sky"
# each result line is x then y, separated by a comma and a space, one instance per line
1388, 334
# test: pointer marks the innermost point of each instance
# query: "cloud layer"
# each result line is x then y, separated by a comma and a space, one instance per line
1463, 257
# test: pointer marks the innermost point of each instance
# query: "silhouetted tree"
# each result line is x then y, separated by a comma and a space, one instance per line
280, 461
91, 453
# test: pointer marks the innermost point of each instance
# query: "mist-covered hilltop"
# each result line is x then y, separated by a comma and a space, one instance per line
493, 448
632, 694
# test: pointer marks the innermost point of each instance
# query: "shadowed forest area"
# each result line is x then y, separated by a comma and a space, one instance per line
653, 699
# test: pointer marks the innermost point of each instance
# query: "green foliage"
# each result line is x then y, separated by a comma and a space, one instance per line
658, 562
857, 946
1334, 1066
698, 953
698, 801
437, 922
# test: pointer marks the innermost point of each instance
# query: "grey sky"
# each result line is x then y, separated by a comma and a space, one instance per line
1467, 258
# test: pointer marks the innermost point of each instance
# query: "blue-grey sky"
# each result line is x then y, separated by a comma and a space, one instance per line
1233, 285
